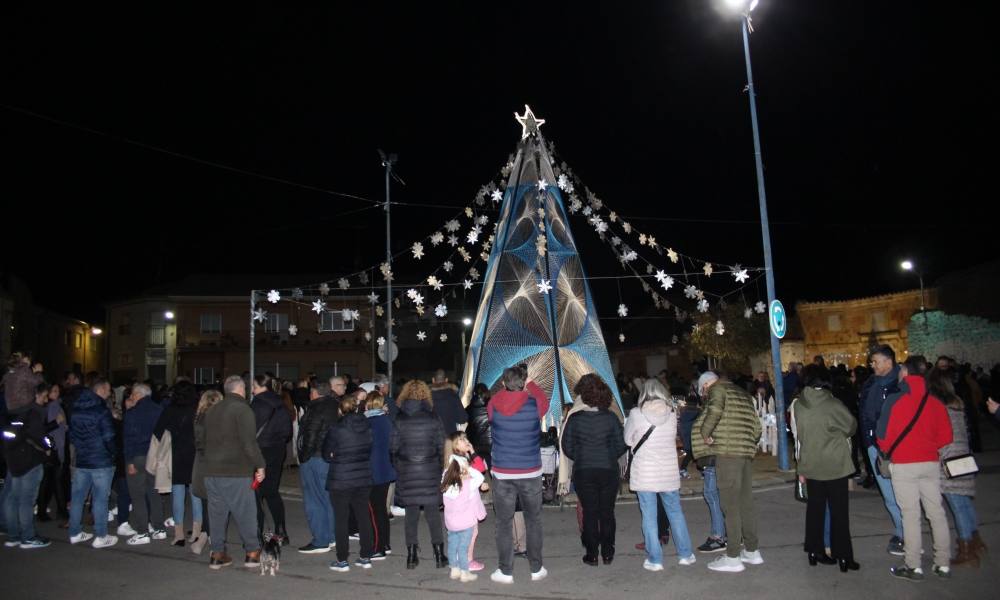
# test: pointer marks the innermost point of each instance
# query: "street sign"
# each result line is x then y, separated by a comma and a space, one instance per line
778, 319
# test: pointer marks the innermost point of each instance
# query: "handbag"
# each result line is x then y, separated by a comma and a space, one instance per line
631, 452
958, 466
885, 458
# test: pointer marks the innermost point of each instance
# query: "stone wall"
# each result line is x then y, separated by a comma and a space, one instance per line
966, 339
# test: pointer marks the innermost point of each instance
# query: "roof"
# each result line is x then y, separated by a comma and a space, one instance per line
867, 299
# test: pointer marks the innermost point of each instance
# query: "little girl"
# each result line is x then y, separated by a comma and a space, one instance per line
458, 443
463, 509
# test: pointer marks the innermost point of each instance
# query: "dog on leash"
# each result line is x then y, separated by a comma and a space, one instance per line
270, 554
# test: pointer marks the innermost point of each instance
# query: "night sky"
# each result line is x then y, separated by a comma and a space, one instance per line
878, 129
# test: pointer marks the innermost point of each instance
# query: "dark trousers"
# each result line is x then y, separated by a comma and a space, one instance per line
597, 489
344, 501
274, 460
55, 482
147, 503
380, 516
433, 517
832, 494
735, 481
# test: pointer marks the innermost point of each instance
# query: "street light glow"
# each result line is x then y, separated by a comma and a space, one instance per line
169, 315
466, 321
96, 331
742, 5
906, 265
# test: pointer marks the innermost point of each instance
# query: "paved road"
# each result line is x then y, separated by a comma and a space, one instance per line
159, 571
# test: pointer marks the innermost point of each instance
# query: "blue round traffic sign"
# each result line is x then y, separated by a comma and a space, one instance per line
778, 319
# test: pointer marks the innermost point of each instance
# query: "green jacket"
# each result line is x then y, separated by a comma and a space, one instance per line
225, 439
823, 428
730, 419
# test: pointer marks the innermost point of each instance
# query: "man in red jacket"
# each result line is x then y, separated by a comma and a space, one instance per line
916, 472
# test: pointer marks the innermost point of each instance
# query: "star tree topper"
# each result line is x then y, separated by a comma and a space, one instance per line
528, 122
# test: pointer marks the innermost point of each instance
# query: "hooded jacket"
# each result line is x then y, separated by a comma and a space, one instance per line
92, 432
348, 449
417, 448
930, 433
654, 467
515, 424
823, 427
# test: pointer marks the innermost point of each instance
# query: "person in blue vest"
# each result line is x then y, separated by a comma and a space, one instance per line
515, 414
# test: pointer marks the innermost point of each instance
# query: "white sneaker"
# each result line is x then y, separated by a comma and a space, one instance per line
539, 575
727, 565
105, 541
159, 534
466, 577
81, 537
112, 515
498, 577
139, 539
354, 536
651, 566
690, 560
751, 558
398, 511
455, 573
126, 530
169, 523
12, 543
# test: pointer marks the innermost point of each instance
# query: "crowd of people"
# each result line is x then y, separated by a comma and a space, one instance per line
178, 459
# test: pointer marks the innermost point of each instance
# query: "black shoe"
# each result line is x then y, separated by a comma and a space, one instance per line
43, 517
607, 554
868, 483
440, 558
820, 558
412, 560
848, 565
589, 559
284, 538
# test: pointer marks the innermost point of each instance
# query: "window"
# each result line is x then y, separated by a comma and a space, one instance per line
833, 323
879, 321
125, 325
333, 320
204, 375
211, 323
157, 329
93, 343
276, 323
78, 340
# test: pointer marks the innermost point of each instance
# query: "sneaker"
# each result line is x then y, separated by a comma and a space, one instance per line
377, 556
726, 564
475, 565
539, 575
83, 536
690, 560
219, 560
455, 573
341, 566
35, 542
252, 559
904, 572
398, 511
388, 549
169, 523
751, 558
684, 474
895, 546
363, 563
158, 534
112, 515
498, 577
126, 530
354, 536
12, 543
333, 545
104, 541
466, 577
942, 572
712, 545
139, 539
311, 549
651, 566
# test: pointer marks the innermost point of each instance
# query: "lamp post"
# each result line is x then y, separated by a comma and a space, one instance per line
745, 7
907, 265
465, 325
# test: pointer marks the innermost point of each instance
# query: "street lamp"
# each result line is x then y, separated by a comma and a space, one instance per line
744, 7
907, 265
465, 325
96, 331
169, 315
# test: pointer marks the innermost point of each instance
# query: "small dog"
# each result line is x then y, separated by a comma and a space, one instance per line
270, 554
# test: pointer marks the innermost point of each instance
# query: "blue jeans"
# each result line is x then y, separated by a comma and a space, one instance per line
711, 494
20, 502
458, 548
888, 496
672, 505
964, 511
178, 497
97, 482
315, 498
4, 491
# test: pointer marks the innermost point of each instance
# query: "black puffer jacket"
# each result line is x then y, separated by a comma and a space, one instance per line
416, 447
593, 439
270, 414
348, 449
313, 426
479, 426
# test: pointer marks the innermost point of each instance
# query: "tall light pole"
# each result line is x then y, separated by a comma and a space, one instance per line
745, 7
387, 162
466, 322
907, 265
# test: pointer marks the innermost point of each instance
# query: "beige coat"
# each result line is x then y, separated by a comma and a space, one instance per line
159, 462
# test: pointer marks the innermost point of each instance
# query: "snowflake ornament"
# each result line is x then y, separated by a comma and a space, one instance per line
297, 294
612, 216
448, 266
667, 282
629, 256
380, 341
467, 284
747, 313
703, 305
465, 255
483, 220
642, 239
621, 337
355, 315
691, 292
418, 250
474, 273
542, 185
708, 269
259, 315
672, 255
562, 182
441, 310
616, 241
346, 315
318, 306
435, 283
420, 310
626, 227
544, 286
343, 283
452, 226
760, 307
368, 336
575, 205
587, 211
622, 310
421, 336
496, 196
472, 237
720, 328
379, 311
452, 240
741, 275
373, 298
274, 296
444, 337
468, 212
436, 238
363, 278
324, 289
293, 329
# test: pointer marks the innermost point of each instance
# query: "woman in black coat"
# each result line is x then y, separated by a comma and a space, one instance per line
416, 448
348, 448
479, 423
178, 419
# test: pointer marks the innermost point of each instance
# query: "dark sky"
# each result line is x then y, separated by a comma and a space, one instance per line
878, 129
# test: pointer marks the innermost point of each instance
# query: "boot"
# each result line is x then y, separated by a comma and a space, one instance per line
966, 556
977, 545
178, 535
412, 560
440, 558
607, 553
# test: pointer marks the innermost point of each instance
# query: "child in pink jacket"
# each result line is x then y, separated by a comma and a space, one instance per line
463, 509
